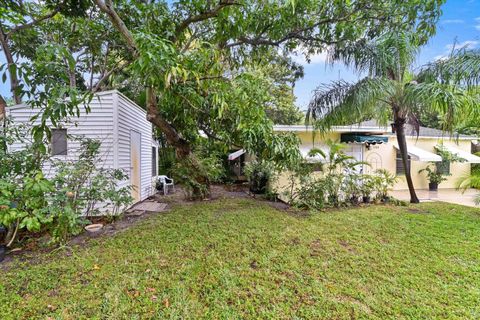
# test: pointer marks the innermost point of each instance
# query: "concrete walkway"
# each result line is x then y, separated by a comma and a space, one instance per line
446, 195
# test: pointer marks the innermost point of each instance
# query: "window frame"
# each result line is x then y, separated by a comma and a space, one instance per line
398, 159
443, 167
53, 139
154, 161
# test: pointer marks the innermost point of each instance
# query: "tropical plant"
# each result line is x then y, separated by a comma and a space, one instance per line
436, 170
311, 195
23, 205
433, 175
30, 201
367, 187
352, 187
390, 91
470, 181
384, 182
447, 156
91, 189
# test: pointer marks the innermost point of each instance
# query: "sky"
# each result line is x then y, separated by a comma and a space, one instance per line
460, 23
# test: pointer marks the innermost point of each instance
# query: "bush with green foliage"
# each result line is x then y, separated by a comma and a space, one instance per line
197, 173
339, 184
32, 202
384, 182
259, 174
82, 189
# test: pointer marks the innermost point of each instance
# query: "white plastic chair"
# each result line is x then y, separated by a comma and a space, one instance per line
166, 182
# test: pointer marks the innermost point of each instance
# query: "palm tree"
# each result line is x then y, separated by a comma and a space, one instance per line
390, 91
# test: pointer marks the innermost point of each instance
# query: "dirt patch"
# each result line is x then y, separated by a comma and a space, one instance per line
295, 241
316, 248
346, 245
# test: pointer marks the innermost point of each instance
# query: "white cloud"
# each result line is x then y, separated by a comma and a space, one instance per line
452, 21
478, 21
440, 57
469, 44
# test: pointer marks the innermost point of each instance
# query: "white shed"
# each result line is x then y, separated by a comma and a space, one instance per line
123, 130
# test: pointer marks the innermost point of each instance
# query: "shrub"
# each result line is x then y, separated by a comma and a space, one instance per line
259, 173
384, 182
367, 186
197, 172
29, 201
23, 205
82, 189
311, 195
87, 185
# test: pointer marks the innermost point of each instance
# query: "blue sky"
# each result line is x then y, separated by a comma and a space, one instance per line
459, 23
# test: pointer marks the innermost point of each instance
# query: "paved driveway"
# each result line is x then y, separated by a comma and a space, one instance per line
446, 195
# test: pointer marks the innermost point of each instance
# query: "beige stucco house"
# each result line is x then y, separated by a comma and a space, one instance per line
378, 146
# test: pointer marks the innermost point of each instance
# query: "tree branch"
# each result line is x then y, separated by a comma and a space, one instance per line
173, 137
10, 63
203, 16
33, 22
298, 34
107, 8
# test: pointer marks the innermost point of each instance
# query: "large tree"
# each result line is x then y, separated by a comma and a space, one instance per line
229, 32
198, 65
390, 92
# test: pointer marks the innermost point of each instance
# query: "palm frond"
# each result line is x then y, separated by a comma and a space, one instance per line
454, 105
389, 55
461, 67
343, 103
467, 182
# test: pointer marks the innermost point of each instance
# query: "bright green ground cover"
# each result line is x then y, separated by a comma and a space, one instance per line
240, 258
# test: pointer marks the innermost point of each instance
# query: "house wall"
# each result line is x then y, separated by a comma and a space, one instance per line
384, 156
132, 117
420, 181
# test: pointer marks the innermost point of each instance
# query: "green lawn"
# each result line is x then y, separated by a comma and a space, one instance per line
232, 259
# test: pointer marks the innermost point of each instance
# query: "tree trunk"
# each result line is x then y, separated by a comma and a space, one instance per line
181, 145
10, 66
201, 188
399, 125
3, 123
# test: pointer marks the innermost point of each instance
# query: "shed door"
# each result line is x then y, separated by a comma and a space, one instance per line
135, 163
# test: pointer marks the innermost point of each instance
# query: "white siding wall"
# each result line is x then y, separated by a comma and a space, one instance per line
111, 118
131, 117
98, 124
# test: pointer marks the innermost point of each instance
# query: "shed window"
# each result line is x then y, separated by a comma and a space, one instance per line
154, 161
59, 142
400, 168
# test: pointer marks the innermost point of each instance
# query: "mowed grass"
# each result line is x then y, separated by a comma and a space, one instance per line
240, 258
